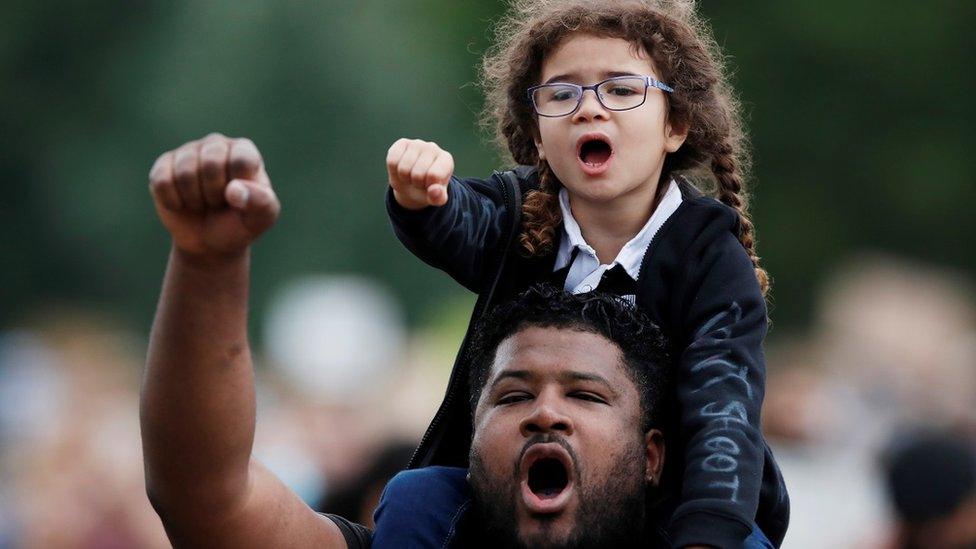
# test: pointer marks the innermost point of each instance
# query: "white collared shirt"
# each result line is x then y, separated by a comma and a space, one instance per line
586, 272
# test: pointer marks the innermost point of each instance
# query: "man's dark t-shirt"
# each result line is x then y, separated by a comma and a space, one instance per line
357, 536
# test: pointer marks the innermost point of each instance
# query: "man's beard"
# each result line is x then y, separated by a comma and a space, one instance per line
611, 513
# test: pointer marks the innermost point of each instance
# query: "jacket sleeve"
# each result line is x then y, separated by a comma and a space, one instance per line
720, 389
458, 237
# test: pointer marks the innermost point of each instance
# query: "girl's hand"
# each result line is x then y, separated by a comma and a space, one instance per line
213, 196
419, 173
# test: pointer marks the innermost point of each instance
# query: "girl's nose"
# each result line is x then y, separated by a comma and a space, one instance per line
590, 108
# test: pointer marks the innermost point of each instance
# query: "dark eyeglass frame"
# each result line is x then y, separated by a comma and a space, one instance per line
649, 82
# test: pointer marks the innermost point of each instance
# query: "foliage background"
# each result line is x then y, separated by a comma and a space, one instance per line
860, 115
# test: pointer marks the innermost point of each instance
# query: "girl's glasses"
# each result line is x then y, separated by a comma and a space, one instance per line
620, 93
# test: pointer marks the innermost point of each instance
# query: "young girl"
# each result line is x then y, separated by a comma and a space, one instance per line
612, 108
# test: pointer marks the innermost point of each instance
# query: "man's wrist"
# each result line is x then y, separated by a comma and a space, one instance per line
211, 262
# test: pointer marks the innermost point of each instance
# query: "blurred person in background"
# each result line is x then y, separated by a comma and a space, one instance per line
931, 484
334, 356
899, 339
357, 497
894, 344
70, 459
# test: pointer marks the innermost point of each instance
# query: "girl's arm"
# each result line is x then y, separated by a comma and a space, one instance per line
197, 403
720, 387
450, 223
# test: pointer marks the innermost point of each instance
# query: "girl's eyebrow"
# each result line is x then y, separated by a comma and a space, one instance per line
572, 77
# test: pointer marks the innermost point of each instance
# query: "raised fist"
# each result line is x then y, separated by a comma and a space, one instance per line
419, 173
213, 195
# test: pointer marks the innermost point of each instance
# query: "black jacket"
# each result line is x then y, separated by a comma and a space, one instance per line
697, 283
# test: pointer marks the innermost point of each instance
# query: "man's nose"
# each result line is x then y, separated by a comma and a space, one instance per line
590, 107
546, 417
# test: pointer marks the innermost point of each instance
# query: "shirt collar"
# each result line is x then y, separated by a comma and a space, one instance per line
632, 254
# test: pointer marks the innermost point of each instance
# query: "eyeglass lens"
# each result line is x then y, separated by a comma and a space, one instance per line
616, 94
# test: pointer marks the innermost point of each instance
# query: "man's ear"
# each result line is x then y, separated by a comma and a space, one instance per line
675, 134
654, 452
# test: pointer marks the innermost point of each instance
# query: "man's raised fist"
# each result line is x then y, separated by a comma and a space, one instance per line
213, 195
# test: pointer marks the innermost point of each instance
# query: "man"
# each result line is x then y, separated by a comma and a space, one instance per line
565, 450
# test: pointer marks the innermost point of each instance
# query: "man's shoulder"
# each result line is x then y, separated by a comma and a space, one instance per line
422, 504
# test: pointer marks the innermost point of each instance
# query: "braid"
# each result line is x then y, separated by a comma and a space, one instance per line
541, 214
684, 50
729, 188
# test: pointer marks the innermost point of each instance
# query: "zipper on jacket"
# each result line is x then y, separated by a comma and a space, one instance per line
512, 196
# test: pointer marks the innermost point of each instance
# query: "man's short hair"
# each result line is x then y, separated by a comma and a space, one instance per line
640, 341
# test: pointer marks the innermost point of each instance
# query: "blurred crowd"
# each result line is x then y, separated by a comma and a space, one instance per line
891, 354
870, 412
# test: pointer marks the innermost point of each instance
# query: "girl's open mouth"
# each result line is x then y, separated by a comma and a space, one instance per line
594, 151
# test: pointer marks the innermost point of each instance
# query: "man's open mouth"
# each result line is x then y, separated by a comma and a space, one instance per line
547, 478
594, 151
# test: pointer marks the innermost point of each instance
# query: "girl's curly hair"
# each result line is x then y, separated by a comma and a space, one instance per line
686, 57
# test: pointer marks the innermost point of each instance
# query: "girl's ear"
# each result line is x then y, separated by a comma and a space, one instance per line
654, 452
675, 134
538, 145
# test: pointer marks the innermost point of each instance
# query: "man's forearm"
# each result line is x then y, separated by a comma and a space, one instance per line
215, 199
198, 395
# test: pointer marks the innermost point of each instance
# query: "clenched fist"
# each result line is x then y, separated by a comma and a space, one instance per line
213, 195
419, 173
